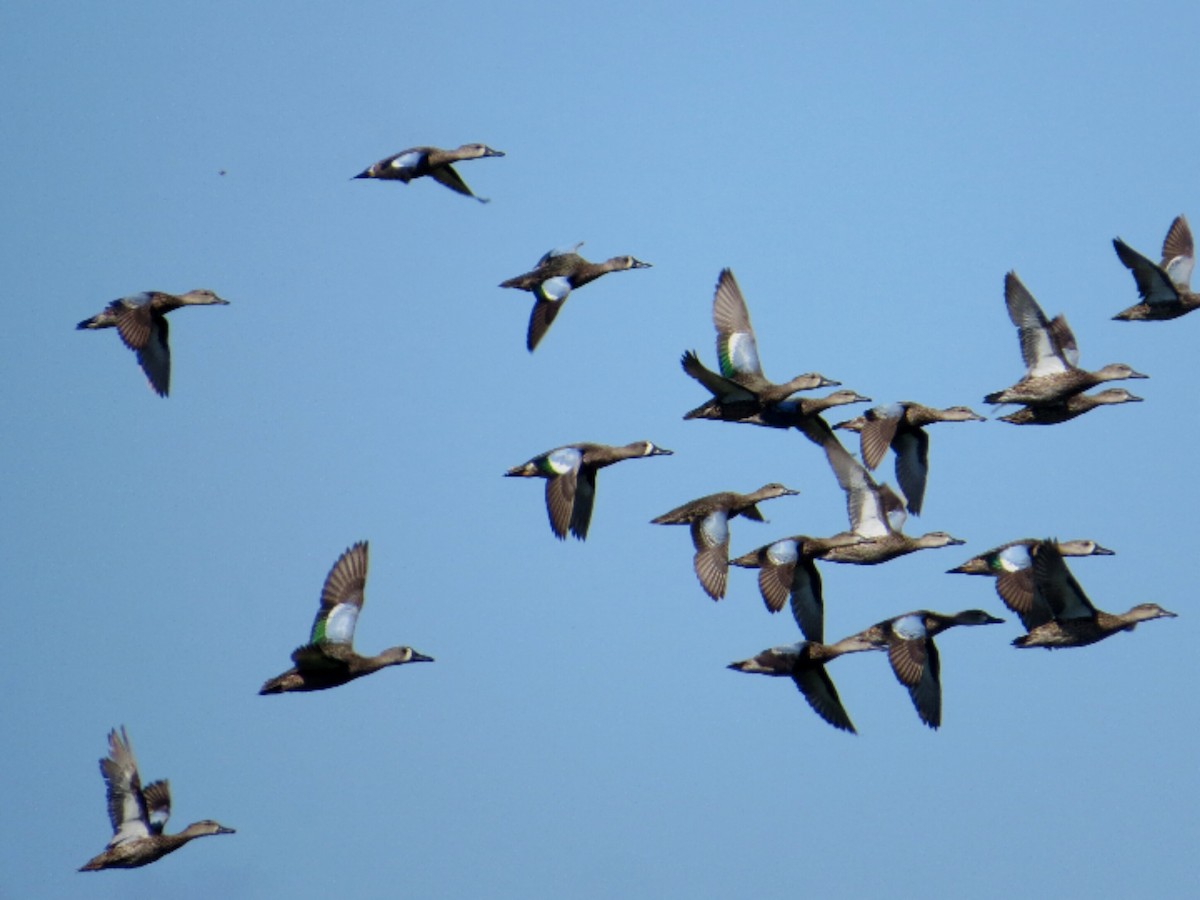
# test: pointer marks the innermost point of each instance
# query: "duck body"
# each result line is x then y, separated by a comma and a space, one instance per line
1011, 565
551, 281
901, 426
1075, 621
1070, 408
804, 663
1050, 353
570, 473
434, 162
141, 323
708, 518
787, 573
913, 655
139, 814
329, 659
741, 389
876, 514
788, 413
1165, 287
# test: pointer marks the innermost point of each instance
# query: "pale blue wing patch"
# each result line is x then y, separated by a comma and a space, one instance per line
339, 624
564, 460
715, 528
1179, 270
1014, 558
409, 160
783, 552
554, 289
910, 627
740, 355
889, 410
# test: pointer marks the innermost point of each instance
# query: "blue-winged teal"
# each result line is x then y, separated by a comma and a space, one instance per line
804, 663
570, 474
328, 659
908, 640
138, 813
786, 570
1011, 565
789, 413
740, 386
432, 161
1076, 621
551, 281
1070, 408
876, 513
1166, 288
901, 426
1050, 353
141, 321
708, 518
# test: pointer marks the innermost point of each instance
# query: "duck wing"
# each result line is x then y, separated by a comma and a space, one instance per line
126, 804
737, 349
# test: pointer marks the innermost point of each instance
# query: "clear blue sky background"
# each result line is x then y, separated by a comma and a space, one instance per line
870, 174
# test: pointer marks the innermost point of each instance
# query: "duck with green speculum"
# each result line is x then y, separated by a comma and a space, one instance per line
740, 389
141, 323
138, 814
708, 518
328, 659
417, 162
1076, 622
1166, 287
570, 473
913, 655
551, 281
804, 663
1011, 565
901, 426
1050, 353
1068, 409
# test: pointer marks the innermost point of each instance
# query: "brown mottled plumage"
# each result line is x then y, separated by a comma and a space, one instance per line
708, 518
416, 162
328, 659
141, 322
138, 814
570, 473
551, 281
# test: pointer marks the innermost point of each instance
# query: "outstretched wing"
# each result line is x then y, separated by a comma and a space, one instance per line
737, 349
126, 805
341, 598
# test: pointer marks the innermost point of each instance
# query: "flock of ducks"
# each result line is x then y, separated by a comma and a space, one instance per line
1031, 576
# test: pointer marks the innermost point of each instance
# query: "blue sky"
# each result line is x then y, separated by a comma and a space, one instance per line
869, 175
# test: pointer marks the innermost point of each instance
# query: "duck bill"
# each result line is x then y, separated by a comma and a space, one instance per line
420, 657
